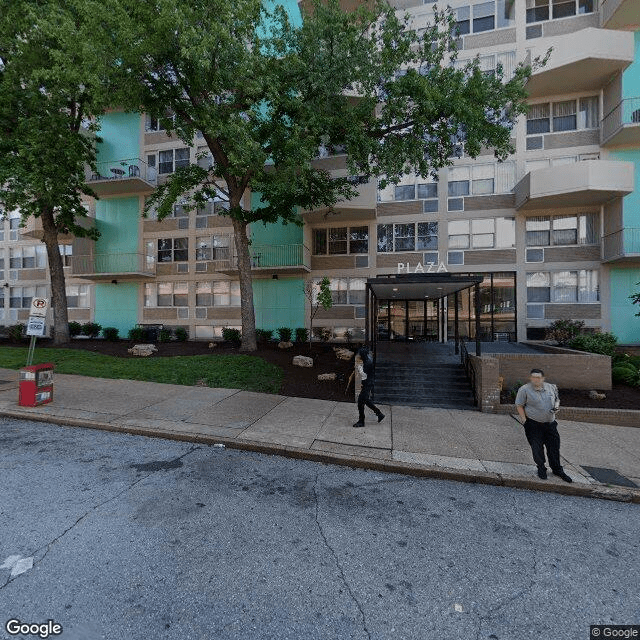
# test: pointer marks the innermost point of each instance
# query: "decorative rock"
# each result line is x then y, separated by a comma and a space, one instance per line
213, 345
594, 395
285, 345
327, 376
302, 361
344, 354
143, 350
201, 383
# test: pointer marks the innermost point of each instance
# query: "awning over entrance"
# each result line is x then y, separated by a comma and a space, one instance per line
417, 286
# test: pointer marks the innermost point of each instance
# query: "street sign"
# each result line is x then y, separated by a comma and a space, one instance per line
38, 308
36, 326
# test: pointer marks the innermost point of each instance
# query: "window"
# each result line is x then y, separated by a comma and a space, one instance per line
538, 287
589, 113
405, 192
538, 119
563, 8
344, 290
484, 16
166, 294
339, 288
427, 237
563, 287
483, 233
544, 231
564, 116
407, 237
588, 290
78, 296
404, 237
459, 234
338, 241
173, 249
153, 124
29, 257
385, 238
463, 23
20, 297
204, 158
483, 179
458, 181
428, 193
172, 159
341, 240
506, 13
359, 240
226, 293
214, 247
66, 252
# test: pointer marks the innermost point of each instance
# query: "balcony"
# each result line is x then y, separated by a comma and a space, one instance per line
33, 229
272, 258
122, 177
581, 61
113, 266
621, 126
362, 207
620, 14
622, 245
584, 183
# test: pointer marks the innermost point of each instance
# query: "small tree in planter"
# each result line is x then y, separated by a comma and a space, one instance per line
318, 295
302, 335
264, 335
164, 335
110, 333
181, 334
91, 329
137, 334
564, 331
284, 334
75, 329
233, 336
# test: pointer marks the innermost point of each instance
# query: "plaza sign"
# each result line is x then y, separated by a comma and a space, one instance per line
429, 267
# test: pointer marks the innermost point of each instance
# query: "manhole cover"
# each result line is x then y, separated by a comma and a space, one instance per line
609, 476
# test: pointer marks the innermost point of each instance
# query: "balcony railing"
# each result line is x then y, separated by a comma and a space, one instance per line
269, 256
127, 169
622, 244
626, 112
112, 264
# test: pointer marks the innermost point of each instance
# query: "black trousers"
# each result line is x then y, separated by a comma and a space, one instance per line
365, 399
541, 435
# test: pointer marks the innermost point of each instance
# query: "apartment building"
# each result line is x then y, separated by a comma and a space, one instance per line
553, 232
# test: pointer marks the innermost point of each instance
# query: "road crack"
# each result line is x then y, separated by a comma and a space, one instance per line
337, 560
47, 547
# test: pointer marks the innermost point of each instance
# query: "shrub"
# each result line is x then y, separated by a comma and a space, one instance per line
16, 332
181, 334
110, 333
164, 335
563, 331
325, 334
138, 334
302, 335
604, 343
91, 329
232, 335
625, 374
284, 333
513, 391
264, 335
75, 329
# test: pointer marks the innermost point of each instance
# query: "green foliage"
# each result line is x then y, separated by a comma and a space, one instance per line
563, 331
164, 335
16, 332
513, 390
224, 371
324, 297
75, 329
138, 334
284, 334
603, 343
181, 334
302, 334
625, 374
234, 336
91, 329
110, 333
635, 298
325, 334
264, 335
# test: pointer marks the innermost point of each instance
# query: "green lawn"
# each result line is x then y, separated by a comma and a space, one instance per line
231, 372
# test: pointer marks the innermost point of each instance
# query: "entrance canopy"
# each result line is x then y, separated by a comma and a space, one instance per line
418, 286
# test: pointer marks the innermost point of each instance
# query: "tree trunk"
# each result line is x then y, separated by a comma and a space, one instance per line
246, 286
60, 330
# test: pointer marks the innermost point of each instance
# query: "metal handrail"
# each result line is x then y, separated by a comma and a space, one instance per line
124, 169
112, 263
627, 111
621, 243
468, 368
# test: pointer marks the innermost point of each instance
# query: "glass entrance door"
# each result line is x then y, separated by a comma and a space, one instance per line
415, 315
398, 319
432, 319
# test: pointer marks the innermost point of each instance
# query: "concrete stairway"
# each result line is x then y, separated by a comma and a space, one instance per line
427, 380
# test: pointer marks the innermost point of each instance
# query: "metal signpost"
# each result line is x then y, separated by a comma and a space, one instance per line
36, 326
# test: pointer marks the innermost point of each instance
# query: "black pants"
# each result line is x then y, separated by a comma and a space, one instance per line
365, 399
540, 435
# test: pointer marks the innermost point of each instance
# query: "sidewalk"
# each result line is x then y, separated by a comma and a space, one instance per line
459, 445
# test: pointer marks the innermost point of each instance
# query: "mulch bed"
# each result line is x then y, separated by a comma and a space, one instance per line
299, 382
620, 397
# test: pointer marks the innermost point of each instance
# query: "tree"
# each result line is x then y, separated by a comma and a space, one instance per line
318, 295
265, 95
53, 79
635, 299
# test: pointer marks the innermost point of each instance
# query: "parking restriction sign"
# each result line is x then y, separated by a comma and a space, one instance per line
39, 308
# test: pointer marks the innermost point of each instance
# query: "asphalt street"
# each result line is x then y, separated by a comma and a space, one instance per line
133, 538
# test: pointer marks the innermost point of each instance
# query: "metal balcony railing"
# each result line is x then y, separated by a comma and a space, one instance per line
623, 243
626, 112
269, 256
113, 263
127, 169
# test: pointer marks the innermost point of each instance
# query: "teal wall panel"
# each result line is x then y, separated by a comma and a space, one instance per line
276, 233
624, 323
120, 133
117, 306
279, 303
631, 75
118, 221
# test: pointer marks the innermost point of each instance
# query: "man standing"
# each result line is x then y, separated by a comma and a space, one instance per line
366, 370
537, 403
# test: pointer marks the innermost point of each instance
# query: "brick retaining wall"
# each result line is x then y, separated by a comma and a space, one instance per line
616, 417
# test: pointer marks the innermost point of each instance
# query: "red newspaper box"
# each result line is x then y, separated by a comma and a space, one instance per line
36, 385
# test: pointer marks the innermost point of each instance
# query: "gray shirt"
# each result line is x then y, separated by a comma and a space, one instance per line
539, 405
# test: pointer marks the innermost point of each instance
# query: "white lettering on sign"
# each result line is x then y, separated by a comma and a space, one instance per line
39, 307
431, 267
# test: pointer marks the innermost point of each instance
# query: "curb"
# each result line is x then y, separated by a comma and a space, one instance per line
359, 462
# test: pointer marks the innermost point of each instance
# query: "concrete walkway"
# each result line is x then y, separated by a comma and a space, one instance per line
460, 445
